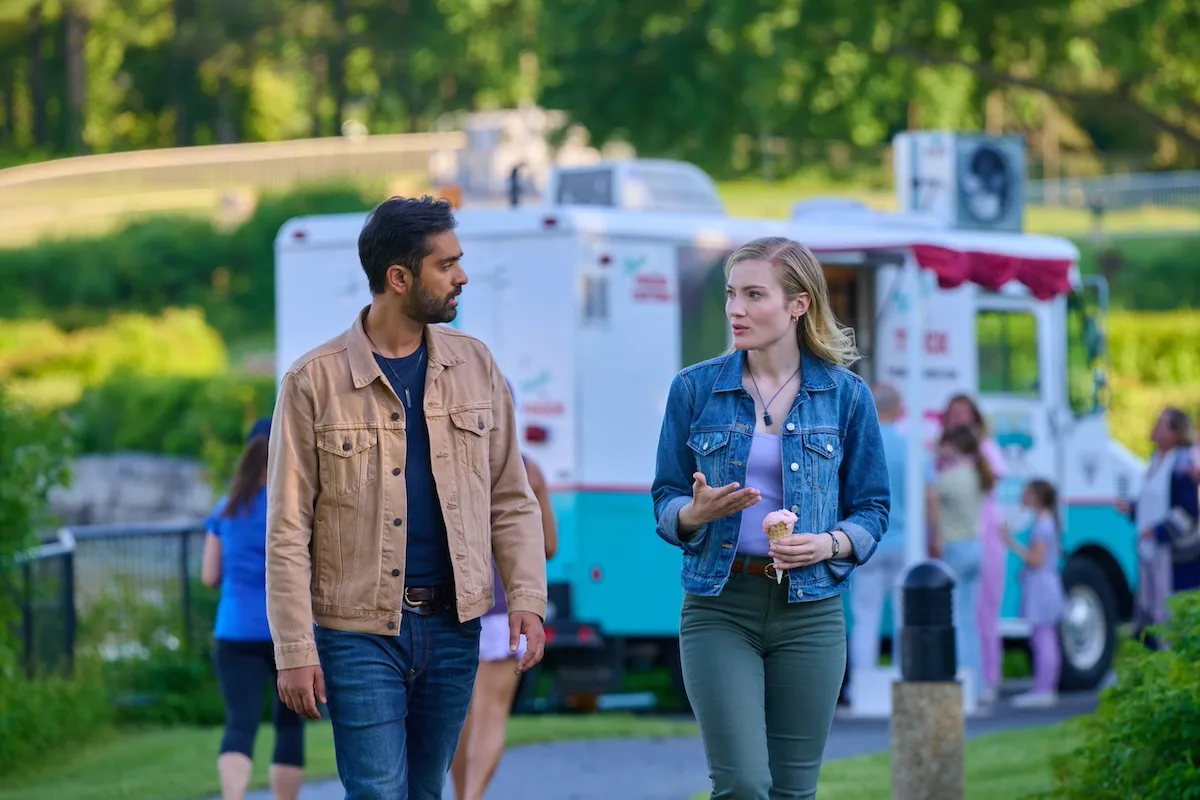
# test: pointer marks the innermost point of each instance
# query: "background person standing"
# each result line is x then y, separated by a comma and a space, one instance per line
235, 560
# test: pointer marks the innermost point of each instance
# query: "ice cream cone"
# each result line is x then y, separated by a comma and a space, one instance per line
778, 525
779, 531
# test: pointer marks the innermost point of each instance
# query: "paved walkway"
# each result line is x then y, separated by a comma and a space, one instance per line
674, 769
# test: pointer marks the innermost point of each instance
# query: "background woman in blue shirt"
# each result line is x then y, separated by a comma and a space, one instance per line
235, 560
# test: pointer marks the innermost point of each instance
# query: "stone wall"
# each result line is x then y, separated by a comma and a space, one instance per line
132, 487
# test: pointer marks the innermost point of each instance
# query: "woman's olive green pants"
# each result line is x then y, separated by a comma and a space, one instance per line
763, 678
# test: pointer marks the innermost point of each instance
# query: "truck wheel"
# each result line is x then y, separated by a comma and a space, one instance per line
1088, 632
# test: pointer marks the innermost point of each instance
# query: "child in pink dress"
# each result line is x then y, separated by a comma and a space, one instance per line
1042, 597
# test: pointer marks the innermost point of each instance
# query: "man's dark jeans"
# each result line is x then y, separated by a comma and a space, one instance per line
398, 703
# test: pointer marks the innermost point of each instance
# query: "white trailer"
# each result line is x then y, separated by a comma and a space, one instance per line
592, 302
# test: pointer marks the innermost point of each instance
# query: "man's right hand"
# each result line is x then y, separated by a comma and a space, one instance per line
301, 689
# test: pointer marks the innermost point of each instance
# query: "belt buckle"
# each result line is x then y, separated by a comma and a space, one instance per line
414, 604
770, 573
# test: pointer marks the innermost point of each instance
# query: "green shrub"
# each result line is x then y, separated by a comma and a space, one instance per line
1154, 273
1144, 739
40, 717
165, 261
204, 418
155, 671
1158, 349
1155, 363
34, 452
50, 367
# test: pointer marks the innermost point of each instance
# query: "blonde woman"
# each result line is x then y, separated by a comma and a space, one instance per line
778, 423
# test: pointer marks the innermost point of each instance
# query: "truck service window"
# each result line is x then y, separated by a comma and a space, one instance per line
1008, 352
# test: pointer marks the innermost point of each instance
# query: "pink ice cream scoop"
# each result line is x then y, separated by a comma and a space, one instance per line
779, 524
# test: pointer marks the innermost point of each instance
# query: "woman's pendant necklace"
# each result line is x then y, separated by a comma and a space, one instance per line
768, 420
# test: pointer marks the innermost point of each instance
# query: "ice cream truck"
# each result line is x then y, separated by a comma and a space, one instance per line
594, 298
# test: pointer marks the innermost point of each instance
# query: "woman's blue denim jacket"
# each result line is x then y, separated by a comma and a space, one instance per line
834, 472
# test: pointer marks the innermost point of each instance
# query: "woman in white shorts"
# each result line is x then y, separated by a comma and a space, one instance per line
481, 743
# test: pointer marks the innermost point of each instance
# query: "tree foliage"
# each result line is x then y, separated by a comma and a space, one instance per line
722, 83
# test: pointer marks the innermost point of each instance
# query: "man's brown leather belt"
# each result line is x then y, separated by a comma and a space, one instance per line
427, 599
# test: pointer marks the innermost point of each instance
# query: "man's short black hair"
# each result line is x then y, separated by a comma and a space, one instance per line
398, 232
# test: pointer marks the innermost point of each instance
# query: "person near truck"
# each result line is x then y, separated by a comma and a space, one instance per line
1042, 597
395, 478
776, 426
235, 560
956, 504
1166, 514
877, 580
481, 743
964, 411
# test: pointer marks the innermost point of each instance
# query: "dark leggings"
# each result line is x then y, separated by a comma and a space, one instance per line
246, 670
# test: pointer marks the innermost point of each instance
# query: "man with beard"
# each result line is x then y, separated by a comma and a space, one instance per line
394, 477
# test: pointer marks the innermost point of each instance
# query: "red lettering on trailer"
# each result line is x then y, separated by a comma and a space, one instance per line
937, 343
652, 288
548, 409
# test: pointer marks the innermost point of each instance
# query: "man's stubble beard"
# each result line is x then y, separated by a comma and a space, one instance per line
425, 307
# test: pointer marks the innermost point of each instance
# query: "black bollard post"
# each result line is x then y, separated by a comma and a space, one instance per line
927, 702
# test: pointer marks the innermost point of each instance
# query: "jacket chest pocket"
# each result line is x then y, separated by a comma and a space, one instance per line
712, 455
472, 432
823, 459
347, 459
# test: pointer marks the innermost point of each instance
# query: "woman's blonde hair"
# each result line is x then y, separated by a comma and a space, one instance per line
800, 272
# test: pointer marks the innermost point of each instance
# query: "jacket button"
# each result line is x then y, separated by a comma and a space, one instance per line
829, 448
347, 446
795, 466
395, 416
795, 509
704, 446
479, 424
395, 573
397, 522
791, 426
391, 626
395, 470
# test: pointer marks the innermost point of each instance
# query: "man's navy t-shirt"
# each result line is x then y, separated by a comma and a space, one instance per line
428, 559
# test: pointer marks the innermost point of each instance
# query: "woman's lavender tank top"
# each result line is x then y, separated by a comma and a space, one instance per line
764, 471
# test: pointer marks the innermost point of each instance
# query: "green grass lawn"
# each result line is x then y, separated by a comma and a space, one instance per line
180, 763
1001, 766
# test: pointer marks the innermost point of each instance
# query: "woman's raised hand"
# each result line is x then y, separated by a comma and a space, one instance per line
716, 502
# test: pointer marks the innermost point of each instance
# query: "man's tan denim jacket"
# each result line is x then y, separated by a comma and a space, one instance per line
336, 502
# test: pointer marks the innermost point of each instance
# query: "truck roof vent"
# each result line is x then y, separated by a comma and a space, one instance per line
636, 185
